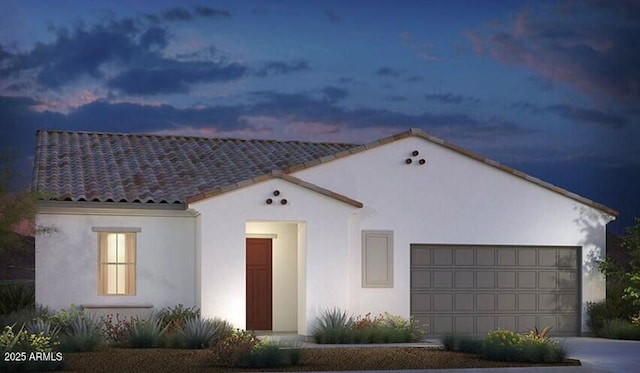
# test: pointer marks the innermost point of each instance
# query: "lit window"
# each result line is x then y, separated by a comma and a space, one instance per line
117, 263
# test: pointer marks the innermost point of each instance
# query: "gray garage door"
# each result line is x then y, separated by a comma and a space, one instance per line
476, 289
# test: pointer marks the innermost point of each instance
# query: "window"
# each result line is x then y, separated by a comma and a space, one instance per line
116, 263
377, 259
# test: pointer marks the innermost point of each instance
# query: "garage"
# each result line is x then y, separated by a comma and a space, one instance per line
474, 289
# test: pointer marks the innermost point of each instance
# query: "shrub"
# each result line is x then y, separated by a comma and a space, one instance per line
45, 327
505, 345
243, 349
116, 329
146, 333
335, 326
25, 315
620, 329
203, 333
15, 297
27, 342
65, 316
82, 333
234, 349
174, 318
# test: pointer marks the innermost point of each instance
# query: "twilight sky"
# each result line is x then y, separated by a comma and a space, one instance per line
549, 87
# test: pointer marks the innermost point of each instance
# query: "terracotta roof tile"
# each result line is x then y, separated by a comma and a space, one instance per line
113, 167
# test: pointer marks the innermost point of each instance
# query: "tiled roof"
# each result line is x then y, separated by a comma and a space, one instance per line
113, 167
110, 167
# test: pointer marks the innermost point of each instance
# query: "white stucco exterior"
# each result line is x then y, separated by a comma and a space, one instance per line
200, 260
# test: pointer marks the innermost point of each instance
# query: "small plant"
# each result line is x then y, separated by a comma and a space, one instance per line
15, 297
505, 345
26, 342
45, 327
462, 343
64, 317
82, 333
543, 334
26, 315
116, 329
620, 329
174, 318
204, 333
146, 333
234, 349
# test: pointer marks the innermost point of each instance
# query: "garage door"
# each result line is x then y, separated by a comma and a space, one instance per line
477, 289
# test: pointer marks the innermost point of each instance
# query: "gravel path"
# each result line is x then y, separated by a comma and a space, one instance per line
378, 358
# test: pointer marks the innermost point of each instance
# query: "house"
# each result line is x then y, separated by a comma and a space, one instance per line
268, 234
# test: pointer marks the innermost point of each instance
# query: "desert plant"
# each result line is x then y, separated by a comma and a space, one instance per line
502, 344
462, 343
232, 350
45, 327
203, 333
25, 315
333, 326
82, 333
620, 329
146, 333
116, 329
25, 342
505, 345
15, 297
65, 316
174, 318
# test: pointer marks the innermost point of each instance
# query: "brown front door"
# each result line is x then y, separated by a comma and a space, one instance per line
259, 292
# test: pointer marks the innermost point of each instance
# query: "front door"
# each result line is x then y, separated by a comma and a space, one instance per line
259, 284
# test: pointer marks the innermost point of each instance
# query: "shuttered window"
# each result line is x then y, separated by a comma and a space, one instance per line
377, 259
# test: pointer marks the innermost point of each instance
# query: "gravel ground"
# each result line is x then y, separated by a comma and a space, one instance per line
382, 358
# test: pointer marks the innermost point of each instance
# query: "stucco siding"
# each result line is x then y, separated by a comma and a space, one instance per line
452, 199
66, 261
322, 261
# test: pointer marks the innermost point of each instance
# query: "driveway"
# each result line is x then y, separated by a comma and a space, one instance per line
606, 355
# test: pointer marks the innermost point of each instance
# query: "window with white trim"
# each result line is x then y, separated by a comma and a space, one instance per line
116, 263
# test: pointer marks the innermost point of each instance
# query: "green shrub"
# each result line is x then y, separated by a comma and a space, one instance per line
204, 333
45, 327
462, 343
234, 349
25, 315
505, 345
174, 318
65, 316
15, 297
146, 333
116, 329
335, 326
24, 341
82, 333
620, 329
243, 349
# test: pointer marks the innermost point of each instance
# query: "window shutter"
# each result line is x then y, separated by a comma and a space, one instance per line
130, 244
102, 266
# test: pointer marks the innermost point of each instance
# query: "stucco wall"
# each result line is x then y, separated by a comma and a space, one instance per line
323, 255
67, 260
451, 199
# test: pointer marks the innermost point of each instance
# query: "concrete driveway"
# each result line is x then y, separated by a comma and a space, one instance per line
605, 355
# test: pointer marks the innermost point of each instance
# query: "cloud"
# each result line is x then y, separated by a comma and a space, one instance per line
173, 79
127, 55
388, 71
591, 46
334, 94
576, 114
177, 14
205, 11
591, 116
450, 98
281, 68
332, 16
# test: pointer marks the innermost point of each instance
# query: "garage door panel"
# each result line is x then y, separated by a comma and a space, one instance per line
486, 279
485, 302
507, 257
443, 279
464, 324
464, 279
464, 257
443, 257
420, 279
476, 289
506, 279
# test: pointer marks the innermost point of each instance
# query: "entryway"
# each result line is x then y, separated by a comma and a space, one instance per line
274, 275
259, 284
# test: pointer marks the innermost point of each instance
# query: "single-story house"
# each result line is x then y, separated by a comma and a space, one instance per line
269, 234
